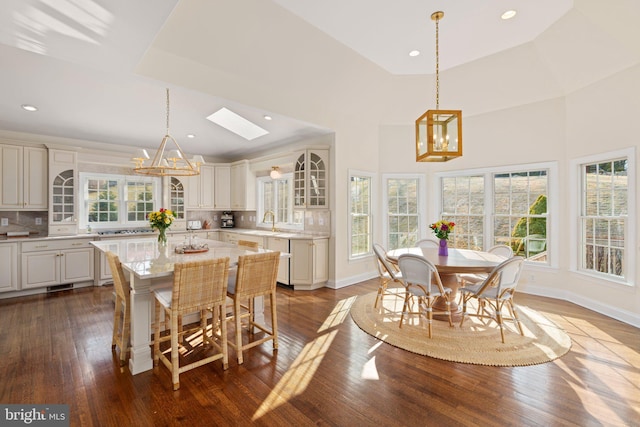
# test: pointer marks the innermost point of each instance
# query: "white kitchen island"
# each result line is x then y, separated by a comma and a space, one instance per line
149, 267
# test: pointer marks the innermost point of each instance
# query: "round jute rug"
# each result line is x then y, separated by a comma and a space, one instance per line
476, 342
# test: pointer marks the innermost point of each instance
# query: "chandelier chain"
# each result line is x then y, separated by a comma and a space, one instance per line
437, 66
167, 111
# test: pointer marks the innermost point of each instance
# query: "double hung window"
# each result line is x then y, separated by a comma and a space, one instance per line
463, 203
606, 201
508, 206
404, 205
110, 201
360, 218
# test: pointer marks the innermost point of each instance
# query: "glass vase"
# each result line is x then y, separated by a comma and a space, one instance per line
443, 250
162, 237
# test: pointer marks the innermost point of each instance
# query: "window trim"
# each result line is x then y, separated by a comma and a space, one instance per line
553, 217
575, 209
423, 192
83, 178
373, 205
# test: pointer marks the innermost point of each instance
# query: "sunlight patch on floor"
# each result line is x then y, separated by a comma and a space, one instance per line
594, 405
369, 370
376, 345
297, 378
618, 377
338, 314
295, 381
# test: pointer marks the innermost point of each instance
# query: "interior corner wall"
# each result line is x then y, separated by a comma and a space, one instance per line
601, 118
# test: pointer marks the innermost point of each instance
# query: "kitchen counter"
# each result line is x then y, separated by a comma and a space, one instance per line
245, 231
269, 233
5, 239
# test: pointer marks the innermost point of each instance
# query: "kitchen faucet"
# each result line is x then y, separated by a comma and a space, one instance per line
273, 219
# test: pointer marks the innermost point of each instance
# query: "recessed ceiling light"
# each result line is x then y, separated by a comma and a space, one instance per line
414, 53
190, 135
267, 117
508, 14
28, 107
236, 124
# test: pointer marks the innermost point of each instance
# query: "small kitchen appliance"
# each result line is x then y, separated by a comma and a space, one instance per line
227, 220
194, 225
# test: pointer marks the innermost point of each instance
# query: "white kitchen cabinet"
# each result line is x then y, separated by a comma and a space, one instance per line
62, 194
200, 189
213, 235
56, 262
281, 245
311, 179
309, 263
222, 192
229, 237
8, 267
23, 177
243, 187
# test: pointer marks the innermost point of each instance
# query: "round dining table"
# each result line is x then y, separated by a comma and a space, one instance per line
459, 261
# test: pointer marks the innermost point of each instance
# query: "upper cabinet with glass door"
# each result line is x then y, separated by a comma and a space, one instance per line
311, 180
62, 197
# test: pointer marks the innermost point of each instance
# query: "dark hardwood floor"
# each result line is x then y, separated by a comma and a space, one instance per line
56, 348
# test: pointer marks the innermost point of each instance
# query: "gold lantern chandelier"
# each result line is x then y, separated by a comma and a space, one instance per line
438, 132
168, 161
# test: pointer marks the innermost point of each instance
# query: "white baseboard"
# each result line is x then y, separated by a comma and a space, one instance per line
351, 280
625, 316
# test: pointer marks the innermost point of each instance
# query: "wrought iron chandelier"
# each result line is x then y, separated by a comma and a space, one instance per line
168, 161
438, 132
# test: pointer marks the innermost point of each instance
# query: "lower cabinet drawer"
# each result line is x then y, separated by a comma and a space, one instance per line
63, 230
53, 245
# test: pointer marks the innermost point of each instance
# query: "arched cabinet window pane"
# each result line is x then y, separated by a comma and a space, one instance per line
177, 198
310, 180
63, 197
298, 183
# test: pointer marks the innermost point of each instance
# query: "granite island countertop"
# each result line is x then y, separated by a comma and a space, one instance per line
243, 231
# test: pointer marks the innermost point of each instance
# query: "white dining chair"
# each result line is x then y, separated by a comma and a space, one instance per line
495, 293
387, 273
427, 243
422, 282
471, 278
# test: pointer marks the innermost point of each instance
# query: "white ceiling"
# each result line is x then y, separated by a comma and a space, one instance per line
75, 61
386, 31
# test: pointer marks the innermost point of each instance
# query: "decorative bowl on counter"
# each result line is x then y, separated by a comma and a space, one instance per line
193, 248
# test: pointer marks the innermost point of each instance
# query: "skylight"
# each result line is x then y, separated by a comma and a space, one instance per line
237, 124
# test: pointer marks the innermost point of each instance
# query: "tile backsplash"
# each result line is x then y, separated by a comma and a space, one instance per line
315, 221
25, 221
